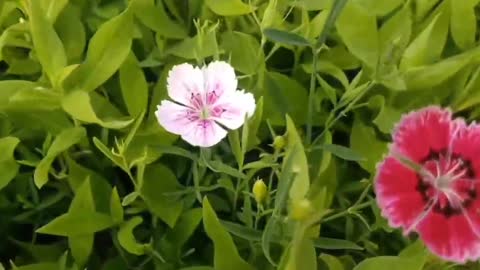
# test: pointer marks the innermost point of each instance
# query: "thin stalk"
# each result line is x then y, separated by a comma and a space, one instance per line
332, 17
311, 95
348, 211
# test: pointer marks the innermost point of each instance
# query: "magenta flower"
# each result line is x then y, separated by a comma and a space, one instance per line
440, 200
204, 102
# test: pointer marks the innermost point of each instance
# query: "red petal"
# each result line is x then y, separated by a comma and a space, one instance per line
450, 238
473, 210
397, 195
421, 131
467, 146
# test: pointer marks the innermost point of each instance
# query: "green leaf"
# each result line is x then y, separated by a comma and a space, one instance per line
463, 23
387, 115
184, 228
158, 181
332, 244
46, 41
358, 30
130, 198
218, 166
81, 247
53, 8
34, 99
38, 266
116, 209
80, 220
286, 38
284, 189
8, 166
363, 140
101, 189
9, 88
254, 125
226, 256
126, 238
342, 152
107, 50
388, 262
234, 141
62, 142
198, 47
71, 31
134, 86
380, 8
423, 7
229, 7
303, 255
313, 4
156, 18
41, 252
244, 52
332, 262
427, 47
75, 225
296, 152
104, 149
83, 202
425, 77
79, 105
326, 67
394, 37
284, 95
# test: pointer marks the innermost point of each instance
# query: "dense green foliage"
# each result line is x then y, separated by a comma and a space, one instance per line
88, 178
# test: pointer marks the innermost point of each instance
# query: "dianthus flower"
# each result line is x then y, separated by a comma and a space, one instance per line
204, 102
429, 183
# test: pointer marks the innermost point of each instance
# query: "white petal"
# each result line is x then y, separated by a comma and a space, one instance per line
183, 81
220, 78
234, 107
173, 117
204, 133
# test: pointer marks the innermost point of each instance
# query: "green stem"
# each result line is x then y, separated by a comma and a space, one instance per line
311, 95
348, 211
329, 123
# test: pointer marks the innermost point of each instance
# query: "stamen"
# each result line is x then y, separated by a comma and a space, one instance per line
450, 143
422, 215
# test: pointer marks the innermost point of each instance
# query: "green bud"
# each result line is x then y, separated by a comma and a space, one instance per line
259, 191
279, 142
301, 209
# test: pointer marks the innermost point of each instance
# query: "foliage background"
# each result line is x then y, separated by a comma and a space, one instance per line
90, 180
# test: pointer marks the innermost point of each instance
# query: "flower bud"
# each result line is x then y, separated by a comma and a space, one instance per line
259, 191
279, 142
301, 209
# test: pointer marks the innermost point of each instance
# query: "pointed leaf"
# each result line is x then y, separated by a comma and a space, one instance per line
228, 7
79, 105
126, 238
134, 86
46, 41
107, 50
8, 166
284, 37
62, 142
226, 256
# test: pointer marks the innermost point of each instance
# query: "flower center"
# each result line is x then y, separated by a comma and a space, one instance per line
448, 181
204, 113
443, 182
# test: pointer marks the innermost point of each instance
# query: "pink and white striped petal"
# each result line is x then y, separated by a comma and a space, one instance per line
185, 83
